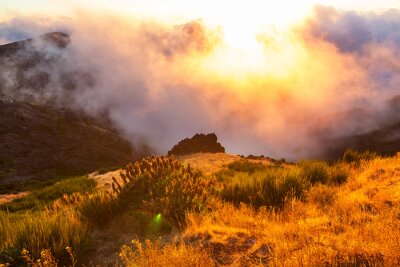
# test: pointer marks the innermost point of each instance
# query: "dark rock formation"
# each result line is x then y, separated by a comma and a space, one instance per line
199, 143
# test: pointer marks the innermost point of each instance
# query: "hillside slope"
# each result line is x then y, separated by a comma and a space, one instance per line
40, 142
385, 141
46, 138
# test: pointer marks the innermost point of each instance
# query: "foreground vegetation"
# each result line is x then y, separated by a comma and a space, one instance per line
249, 213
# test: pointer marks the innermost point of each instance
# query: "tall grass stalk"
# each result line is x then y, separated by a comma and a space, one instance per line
36, 231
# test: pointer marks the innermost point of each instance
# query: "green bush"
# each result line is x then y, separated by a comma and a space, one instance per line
98, 208
352, 156
274, 186
271, 188
315, 171
338, 174
323, 173
246, 166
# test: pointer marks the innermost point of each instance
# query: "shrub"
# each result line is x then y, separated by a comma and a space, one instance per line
338, 174
315, 171
97, 208
164, 185
323, 173
352, 156
271, 188
246, 166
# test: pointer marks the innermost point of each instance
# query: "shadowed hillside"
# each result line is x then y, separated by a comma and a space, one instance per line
40, 142
385, 141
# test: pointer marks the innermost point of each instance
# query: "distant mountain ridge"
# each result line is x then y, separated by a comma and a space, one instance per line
385, 141
28, 67
57, 39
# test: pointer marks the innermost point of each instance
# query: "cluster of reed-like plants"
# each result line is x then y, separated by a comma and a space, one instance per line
96, 208
164, 185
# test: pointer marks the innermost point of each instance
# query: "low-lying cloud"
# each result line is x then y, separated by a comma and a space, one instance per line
150, 79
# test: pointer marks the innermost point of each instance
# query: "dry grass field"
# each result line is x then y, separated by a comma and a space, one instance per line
233, 212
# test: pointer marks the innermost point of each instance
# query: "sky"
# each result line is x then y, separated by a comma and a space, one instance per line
179, 9
277, 78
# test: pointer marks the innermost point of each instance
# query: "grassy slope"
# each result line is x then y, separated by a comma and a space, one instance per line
354, 224
46, 195
210, 163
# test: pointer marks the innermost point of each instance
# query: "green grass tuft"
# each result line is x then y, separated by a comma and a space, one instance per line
46, 195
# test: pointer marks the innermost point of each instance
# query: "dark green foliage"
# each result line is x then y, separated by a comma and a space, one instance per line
271, 188
338, 174
323, 173
98, 208
246, 166
315, 171
352, 156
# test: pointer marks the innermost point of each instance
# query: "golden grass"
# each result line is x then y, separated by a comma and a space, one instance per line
40, 230
335, 226
354, 224
153, 254
209, 163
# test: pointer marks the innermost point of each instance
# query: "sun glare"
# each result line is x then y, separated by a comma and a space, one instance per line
254, 35
242, 21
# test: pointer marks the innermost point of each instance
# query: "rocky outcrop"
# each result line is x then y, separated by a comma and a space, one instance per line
199, 143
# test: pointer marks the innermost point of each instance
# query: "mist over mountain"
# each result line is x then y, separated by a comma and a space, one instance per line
148, 80
46, 139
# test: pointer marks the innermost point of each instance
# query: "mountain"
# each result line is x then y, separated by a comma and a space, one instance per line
43, 140
40, 141
385, 141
